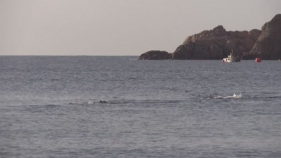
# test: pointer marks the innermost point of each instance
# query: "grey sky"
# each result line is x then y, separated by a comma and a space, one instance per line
119, 27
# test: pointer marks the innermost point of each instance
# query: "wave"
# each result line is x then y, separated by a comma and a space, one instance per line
234, 96
126, 101
188, 99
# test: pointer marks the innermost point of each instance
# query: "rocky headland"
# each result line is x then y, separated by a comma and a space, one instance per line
218, 43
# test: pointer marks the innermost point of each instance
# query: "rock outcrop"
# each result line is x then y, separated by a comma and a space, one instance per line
219, 43
155, 55
268, 45
216, 44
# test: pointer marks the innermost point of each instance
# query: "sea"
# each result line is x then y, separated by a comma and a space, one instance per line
121, 107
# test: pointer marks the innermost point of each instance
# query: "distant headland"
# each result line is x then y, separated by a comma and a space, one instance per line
218, 43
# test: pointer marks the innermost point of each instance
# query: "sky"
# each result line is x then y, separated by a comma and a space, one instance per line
119, 27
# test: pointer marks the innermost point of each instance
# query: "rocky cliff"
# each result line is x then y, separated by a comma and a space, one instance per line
218, 43
268, 45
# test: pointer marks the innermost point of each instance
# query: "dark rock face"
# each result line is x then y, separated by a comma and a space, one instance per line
268, 45
216, 44
183, 52
155, 55
219, 43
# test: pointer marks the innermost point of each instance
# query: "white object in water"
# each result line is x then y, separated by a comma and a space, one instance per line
237, 96
227, 97
231, 58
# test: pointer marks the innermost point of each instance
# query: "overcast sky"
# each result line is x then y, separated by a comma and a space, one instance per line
119, 27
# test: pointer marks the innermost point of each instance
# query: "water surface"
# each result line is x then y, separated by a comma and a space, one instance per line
49, 107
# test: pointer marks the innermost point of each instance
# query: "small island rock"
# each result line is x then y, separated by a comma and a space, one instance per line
155, 55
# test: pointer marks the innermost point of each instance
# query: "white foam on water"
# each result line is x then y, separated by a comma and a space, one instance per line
90, 102
234, 96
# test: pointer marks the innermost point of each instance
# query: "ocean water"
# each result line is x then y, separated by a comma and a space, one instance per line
49, 108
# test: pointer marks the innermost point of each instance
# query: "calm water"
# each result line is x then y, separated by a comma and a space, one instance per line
49, 107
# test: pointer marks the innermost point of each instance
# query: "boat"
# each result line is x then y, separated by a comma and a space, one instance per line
231, 58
